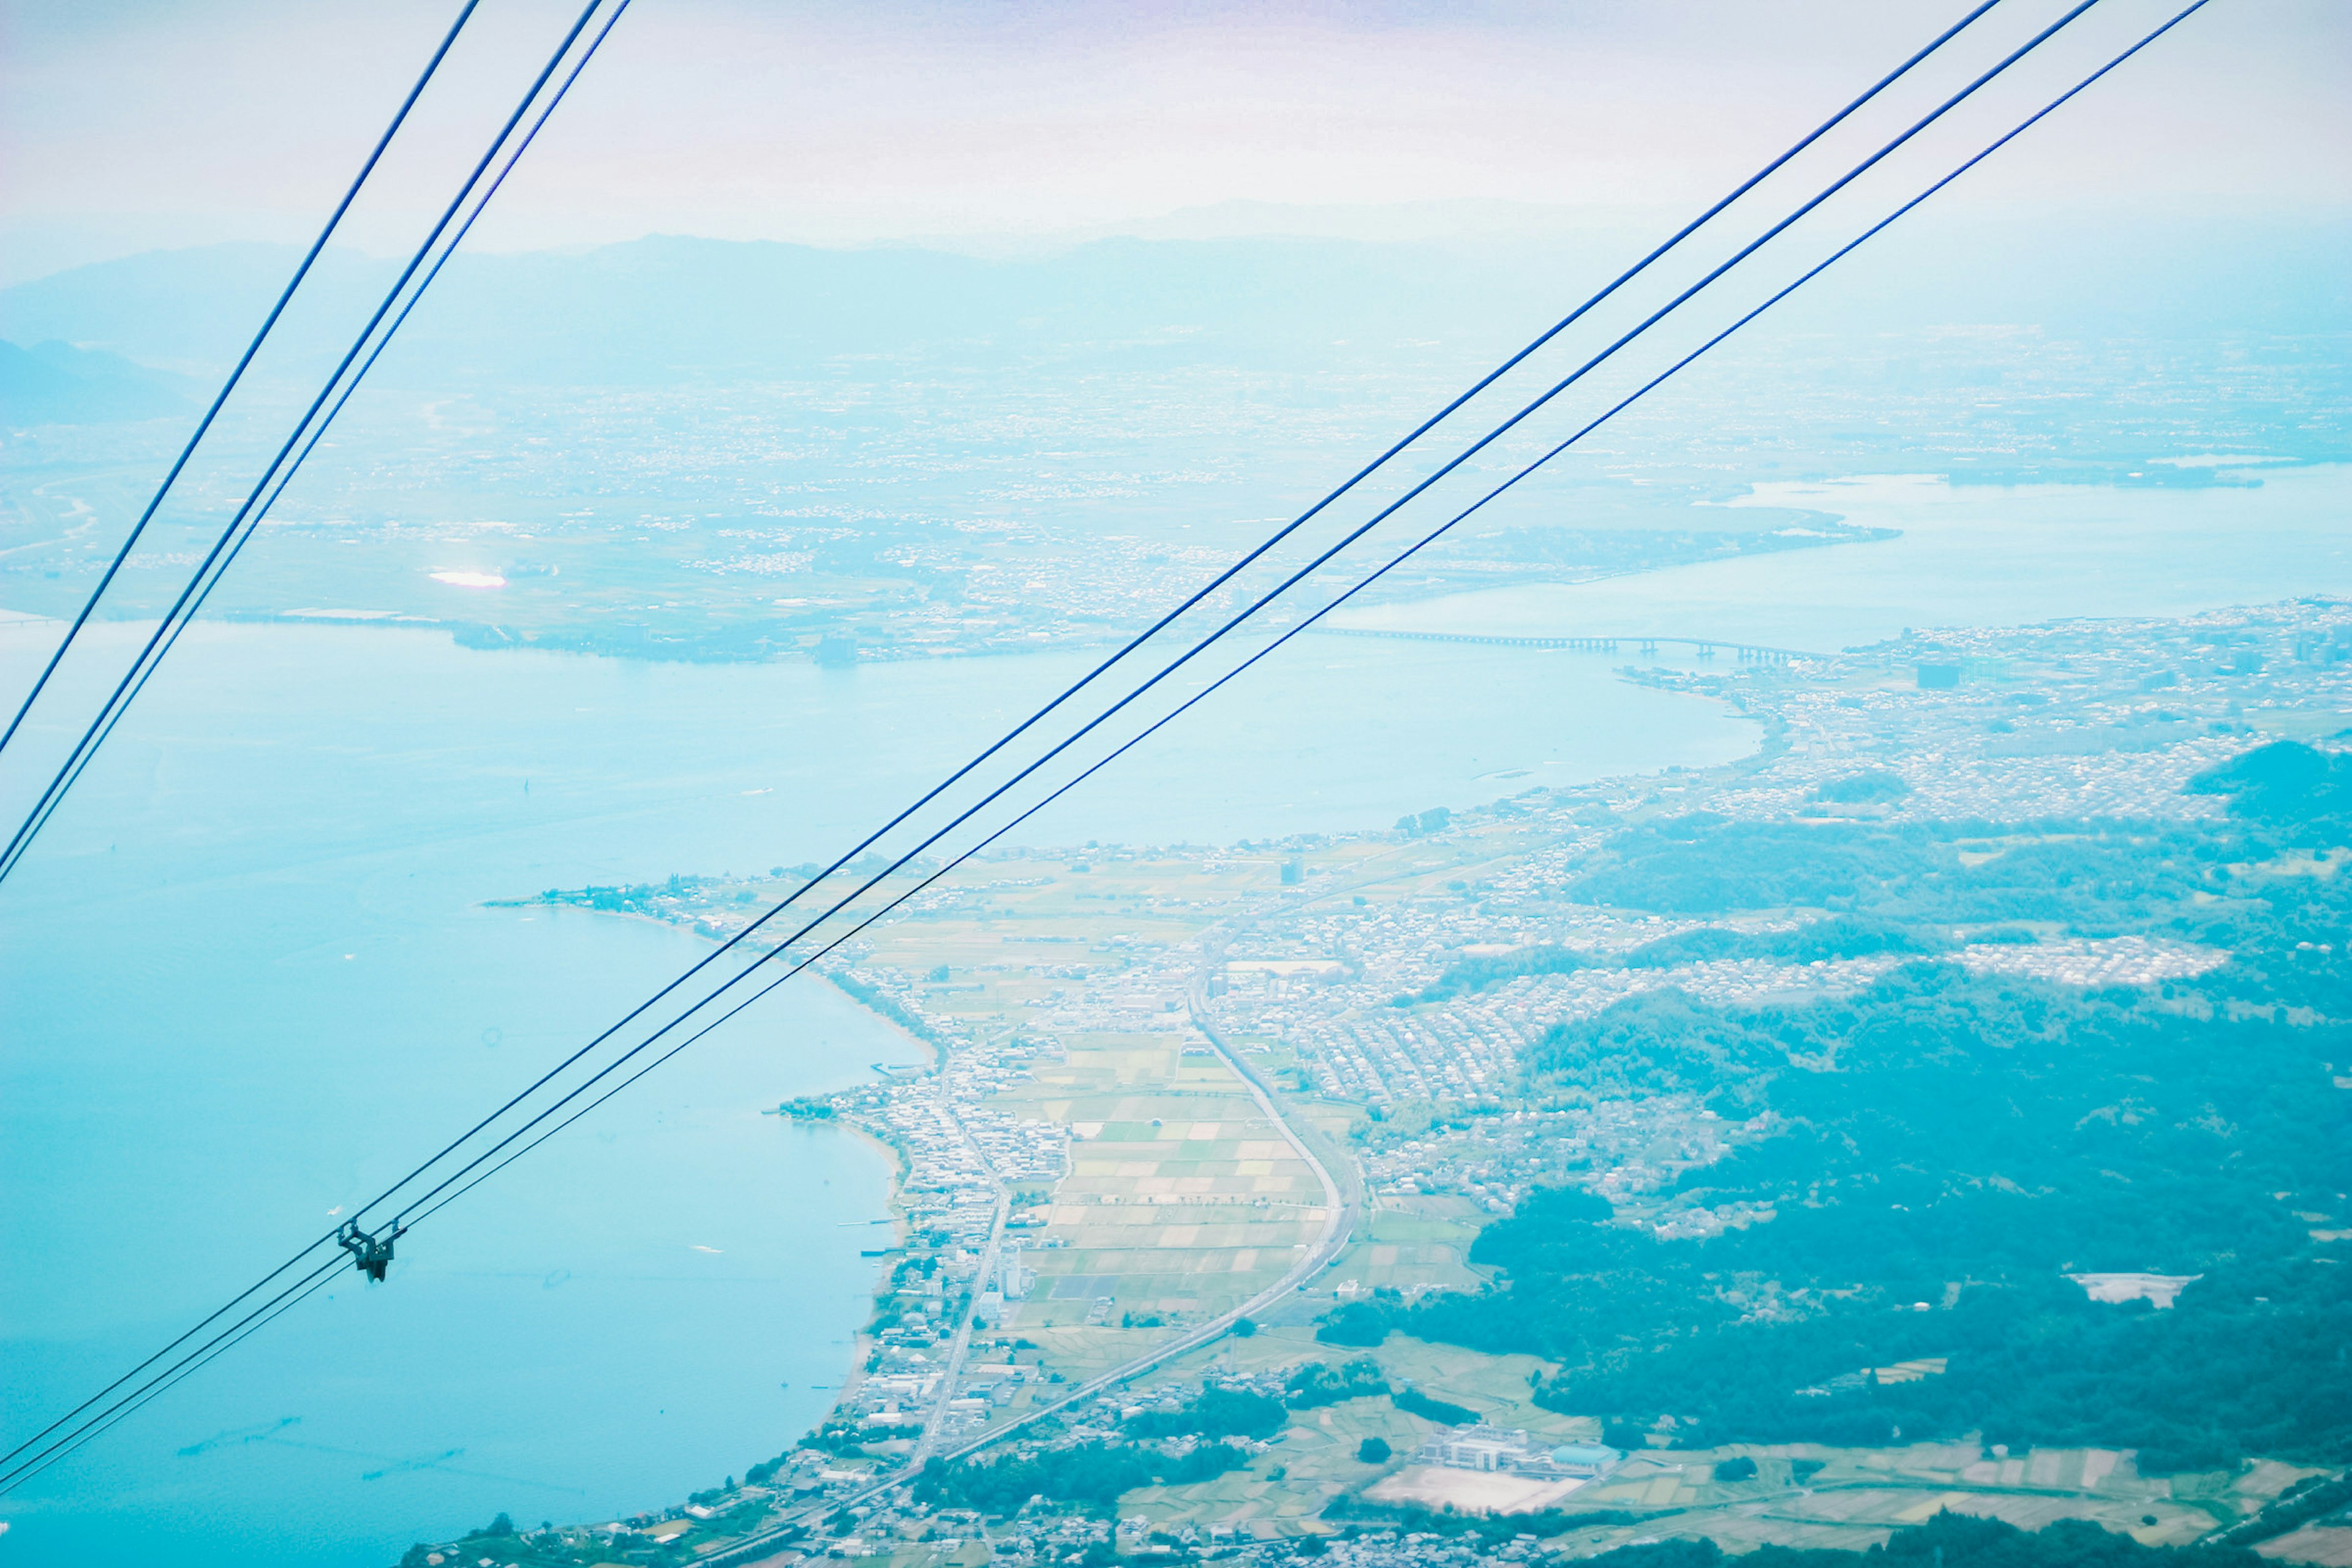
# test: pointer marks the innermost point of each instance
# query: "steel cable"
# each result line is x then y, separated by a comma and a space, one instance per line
1221, 632
39, 815
41, 811
6, 1484
10, 857
253, 523
1716, 209
1310, 621
236, 373
227, 1339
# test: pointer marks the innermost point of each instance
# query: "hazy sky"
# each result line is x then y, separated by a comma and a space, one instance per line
131, 124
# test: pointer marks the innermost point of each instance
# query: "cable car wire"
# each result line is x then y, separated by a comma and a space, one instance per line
5, 1483
10, 1479
42, 810
48, 803
1840, 116
236, 372
1268, 597
39, 814
261, 1317
253, 524
1310, 621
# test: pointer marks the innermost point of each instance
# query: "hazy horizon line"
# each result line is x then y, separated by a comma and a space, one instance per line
1417, 222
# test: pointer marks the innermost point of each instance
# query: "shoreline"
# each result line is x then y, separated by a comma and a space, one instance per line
814, 644
1298, 974
1770, 742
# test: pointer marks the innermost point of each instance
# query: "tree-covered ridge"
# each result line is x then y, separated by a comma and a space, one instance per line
1952, 1541
1937, 1152
1216, 1412
1838, 937
1090, 1474
2098, 879
2288, 786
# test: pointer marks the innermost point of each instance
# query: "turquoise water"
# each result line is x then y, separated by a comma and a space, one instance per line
251, 977
250, 974
1973, 556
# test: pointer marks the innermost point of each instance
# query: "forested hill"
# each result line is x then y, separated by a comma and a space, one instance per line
1945, 1148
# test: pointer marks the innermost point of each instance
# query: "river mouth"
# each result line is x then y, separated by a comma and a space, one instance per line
251, 966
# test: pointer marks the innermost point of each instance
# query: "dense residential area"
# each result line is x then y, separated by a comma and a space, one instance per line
1849, 1148
1248, 783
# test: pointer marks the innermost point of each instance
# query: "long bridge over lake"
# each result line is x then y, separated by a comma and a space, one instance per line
1706, 648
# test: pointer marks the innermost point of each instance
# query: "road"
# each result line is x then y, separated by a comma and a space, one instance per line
1341, 1209
951, 1370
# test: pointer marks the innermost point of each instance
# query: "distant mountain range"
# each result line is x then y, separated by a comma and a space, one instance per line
663, 309
666, 308
58, 384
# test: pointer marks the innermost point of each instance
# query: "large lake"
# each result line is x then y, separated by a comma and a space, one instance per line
249, 971
1968, 555
250, 976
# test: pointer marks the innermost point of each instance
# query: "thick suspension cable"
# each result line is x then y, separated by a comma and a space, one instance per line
1294, 631
39, 815
227, 1339
25, 1465
1312, 620
1167, 671
261, 513
1606, 291
741, 936
236, 373
1230, 624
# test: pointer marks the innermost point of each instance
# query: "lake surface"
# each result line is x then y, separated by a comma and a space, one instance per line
1971, 555
251, 978
250, 974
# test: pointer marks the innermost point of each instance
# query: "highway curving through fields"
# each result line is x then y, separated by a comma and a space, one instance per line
1342, 1206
